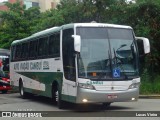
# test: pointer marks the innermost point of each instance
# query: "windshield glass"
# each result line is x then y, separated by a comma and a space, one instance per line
4, 66
107, 53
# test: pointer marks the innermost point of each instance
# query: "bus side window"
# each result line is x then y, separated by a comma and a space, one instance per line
13, 53
57, 45
33, 49
18, 52
42, 47
51, 44
54, 45
24, 50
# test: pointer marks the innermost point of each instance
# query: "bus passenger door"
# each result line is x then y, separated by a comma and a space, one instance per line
69, 64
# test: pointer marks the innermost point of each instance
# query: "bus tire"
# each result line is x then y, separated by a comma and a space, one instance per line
54, 96
21, 90
57, 97
107, 104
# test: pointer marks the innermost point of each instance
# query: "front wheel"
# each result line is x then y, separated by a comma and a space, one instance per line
105, 105
57, 97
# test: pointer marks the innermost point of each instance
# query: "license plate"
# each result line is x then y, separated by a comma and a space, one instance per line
4, 86
111, 96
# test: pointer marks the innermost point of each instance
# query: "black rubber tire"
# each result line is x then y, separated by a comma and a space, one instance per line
57, 97
54, 90
105, 105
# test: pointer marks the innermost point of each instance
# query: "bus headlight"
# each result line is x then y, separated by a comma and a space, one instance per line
134, 85
86, 86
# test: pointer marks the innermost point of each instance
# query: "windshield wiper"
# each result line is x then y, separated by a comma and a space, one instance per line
110, 61
104, 69
119, 64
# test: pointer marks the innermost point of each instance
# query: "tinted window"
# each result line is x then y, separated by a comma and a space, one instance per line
18, 52
54, 45
68, 55
24, 51
33, 49
42, 47
13, 49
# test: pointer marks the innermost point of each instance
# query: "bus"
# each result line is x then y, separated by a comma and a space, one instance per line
79, 63
4, 70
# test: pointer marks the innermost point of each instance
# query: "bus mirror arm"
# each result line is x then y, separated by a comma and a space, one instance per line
77, 43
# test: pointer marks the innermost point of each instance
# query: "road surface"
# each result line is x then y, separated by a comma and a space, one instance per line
137, 110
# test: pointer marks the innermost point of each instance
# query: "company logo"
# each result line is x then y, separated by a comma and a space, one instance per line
21, 114
6, 114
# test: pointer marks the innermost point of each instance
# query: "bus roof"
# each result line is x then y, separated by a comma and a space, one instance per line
44, 32
95, 25
71, 25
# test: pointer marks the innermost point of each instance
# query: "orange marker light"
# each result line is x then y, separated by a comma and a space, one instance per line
94, 74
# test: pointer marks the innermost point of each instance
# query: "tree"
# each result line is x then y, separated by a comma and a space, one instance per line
16, 23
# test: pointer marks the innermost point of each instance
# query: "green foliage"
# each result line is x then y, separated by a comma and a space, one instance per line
150, 87
50, 18
16, 23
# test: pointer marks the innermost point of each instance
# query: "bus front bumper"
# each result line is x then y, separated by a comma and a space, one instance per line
93, 96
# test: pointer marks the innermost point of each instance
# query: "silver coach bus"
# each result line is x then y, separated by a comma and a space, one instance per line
79, 63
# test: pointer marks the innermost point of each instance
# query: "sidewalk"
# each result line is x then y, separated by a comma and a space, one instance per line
150, 96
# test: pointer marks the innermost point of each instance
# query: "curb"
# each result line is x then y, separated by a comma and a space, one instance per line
150, 96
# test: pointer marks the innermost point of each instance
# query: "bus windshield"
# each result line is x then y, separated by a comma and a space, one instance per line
106, 51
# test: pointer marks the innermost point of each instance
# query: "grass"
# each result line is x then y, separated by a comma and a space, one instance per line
150, 87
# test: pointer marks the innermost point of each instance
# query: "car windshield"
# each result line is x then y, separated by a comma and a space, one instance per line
107, 53
4, 66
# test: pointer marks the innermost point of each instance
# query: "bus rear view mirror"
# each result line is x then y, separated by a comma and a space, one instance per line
143, 45
77, 43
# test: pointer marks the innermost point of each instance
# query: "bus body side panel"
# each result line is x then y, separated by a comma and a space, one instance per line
37, 75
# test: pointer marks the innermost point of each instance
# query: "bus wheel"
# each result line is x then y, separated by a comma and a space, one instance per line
57, 97
21, 90
106, 104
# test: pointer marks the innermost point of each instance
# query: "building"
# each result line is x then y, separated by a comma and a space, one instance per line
43, 4
2, 4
